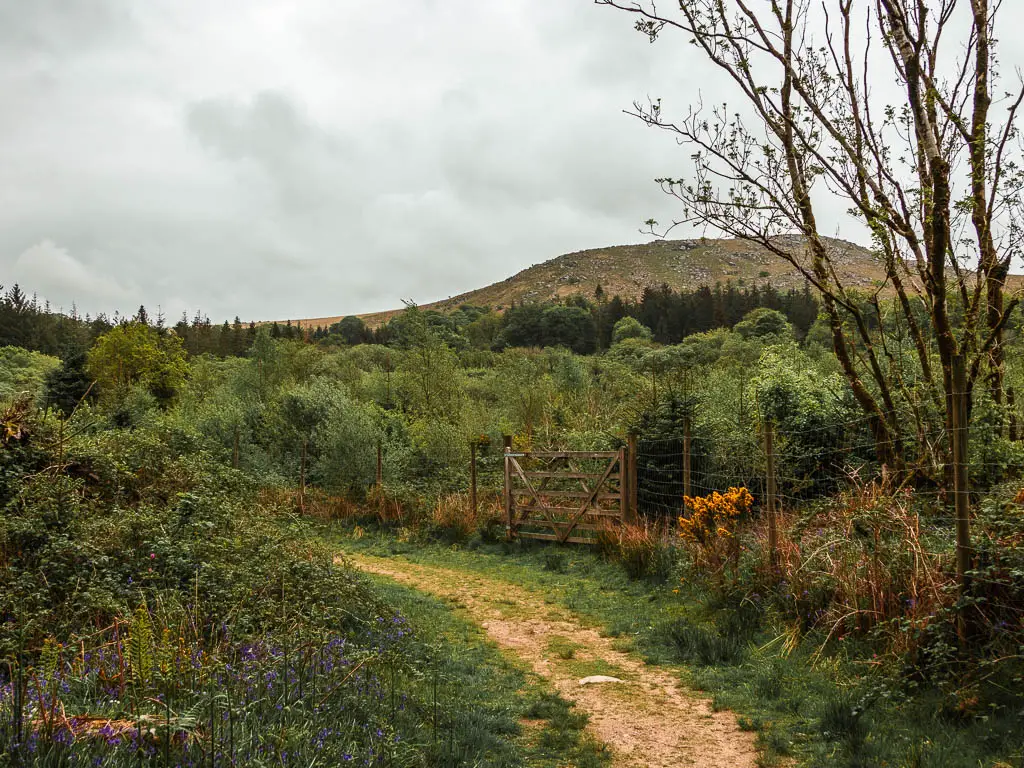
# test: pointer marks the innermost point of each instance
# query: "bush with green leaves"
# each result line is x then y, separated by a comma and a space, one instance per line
24, 373
136, 354
630, 328
821, 436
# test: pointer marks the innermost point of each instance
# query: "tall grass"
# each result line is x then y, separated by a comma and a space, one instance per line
855, 563
645, 549
454, 519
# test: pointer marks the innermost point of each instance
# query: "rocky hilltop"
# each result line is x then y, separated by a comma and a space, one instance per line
628, 269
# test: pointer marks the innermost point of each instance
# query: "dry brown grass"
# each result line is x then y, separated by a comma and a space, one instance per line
646, 549
860, 562
454, 515
390, 509
451, 515
627, 270
314, 502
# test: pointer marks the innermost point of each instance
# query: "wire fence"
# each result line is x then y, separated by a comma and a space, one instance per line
810, 464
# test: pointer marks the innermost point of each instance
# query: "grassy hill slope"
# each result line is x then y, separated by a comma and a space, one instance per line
628, 269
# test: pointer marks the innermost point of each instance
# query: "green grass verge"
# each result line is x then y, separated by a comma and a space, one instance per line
494, 712
834, 709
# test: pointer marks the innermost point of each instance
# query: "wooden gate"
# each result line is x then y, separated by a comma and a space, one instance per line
564, 496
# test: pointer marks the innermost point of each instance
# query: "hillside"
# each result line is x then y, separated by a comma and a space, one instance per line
628, 269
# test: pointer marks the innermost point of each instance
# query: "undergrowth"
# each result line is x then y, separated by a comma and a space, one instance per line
155, 606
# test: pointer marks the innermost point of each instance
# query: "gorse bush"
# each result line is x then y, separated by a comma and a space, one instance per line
710, 525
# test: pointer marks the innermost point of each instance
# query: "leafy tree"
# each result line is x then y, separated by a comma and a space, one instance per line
428, 367
935, 176
268, 362
22, 371
352, 330
608, 314
484, 331
524, 390
631, 351
814, 410
763, 323
524, 326
340, 434
136, 354
466, 314
568, 326
630, 328
67, 385
703, 349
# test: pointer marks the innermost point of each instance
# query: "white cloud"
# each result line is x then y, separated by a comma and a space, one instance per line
56, 275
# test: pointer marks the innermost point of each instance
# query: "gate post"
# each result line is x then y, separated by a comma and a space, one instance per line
623, 486
632, 482
509, 532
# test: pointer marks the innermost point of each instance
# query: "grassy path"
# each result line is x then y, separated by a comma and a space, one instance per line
648, 719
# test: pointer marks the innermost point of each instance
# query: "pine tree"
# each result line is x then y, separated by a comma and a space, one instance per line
67, 385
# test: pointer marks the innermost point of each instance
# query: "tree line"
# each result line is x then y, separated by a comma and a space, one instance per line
31, 324
581, 324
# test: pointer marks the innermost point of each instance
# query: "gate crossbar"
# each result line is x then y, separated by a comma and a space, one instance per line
538, 511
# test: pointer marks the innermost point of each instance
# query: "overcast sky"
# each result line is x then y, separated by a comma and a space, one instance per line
276, 159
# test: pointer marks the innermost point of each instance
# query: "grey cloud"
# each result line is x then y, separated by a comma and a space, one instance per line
283, 160
58, 27
298, 158
55, 273
287, 159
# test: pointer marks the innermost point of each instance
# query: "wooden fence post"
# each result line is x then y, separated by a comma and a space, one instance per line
687, 485
961, 489
472, 477
380, 465
632, 479
770, 496
509, 529
623, 486
302, 478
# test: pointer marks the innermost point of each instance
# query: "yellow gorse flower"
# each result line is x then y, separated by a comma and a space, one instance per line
714, 515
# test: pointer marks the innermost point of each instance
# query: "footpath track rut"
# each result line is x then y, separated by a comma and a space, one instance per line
648, 719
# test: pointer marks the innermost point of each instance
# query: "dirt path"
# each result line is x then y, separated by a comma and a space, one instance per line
648, 719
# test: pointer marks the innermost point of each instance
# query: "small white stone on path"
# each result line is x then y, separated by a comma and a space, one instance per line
599, 679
